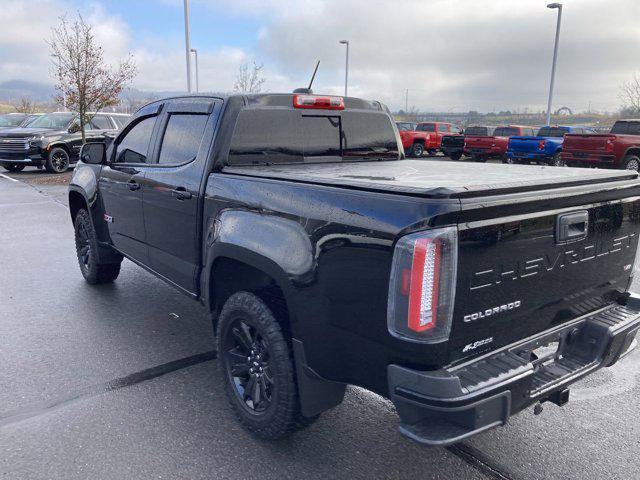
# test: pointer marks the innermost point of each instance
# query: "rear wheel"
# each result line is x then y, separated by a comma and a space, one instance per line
13, 167
58, 160
455, 156
92, 270
479, 158
631, 162
510, 160
416, 150
257, 365
558, 161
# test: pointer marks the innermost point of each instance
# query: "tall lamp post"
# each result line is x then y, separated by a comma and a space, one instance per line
346, 68
555, 57
186, 44
195, 52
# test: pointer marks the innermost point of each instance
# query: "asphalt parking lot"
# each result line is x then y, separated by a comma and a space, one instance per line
120, 381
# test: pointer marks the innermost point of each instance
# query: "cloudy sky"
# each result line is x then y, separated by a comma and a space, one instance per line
452, 55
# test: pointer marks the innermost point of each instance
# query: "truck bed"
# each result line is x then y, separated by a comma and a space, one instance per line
436, 178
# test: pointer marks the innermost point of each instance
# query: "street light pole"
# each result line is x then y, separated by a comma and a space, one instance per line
195, 52
555, 57
346, 69
186, 43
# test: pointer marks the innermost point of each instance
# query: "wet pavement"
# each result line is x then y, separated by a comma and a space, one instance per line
121, 381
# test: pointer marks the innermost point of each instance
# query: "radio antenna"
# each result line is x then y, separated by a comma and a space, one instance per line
314, 74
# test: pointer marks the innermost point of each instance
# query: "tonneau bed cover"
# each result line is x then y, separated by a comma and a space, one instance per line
436, 178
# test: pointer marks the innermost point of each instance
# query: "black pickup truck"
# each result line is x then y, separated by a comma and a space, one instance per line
462, 292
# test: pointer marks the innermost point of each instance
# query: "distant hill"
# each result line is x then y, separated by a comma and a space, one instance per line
12, 90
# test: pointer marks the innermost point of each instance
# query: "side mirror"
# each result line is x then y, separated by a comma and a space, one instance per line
74, 128
94, 153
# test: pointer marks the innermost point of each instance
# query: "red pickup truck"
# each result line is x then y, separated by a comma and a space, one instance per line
620, 148
437, 130
413, 141
483, 142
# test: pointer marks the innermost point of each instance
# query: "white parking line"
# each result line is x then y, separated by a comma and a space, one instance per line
8, 178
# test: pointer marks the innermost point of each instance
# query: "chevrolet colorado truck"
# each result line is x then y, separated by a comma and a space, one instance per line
483, 143
437, 131
53, 140
620, 148
413, 141
545, 148
464, 293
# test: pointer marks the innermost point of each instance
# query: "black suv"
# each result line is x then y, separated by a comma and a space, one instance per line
53, 140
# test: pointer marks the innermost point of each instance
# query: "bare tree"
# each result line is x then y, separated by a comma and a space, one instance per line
24, 105
249, 79
85, 83
630, 95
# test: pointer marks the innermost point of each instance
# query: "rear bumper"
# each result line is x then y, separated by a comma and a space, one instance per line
580, 157
527, 155
487, 152
442, 407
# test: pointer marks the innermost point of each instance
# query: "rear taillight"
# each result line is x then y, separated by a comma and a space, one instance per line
318, 102
609, 145
422, 285
541, 145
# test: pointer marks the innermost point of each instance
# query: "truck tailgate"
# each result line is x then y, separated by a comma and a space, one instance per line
525, 144
589, 143
520, 271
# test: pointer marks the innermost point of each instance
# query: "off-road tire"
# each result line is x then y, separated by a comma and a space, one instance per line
283, 415
13, 167
87, 247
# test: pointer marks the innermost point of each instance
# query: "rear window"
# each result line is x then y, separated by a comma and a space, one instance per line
406, 126
506, 132
477, 131
426, 127
552, 132
265, 136
630, 128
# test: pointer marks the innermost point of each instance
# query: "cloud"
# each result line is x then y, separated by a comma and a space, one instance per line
450, 55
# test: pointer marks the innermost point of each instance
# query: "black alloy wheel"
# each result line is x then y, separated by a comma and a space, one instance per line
248, 366
57, 160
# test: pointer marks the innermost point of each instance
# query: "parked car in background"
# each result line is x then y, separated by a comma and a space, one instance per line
436, 131
53, 140
12, 120
543, 148
413, 141
452, 146
484, 142
620, 148
324, 259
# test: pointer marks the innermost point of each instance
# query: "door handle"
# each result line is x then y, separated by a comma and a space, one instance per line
181, 193
133, 185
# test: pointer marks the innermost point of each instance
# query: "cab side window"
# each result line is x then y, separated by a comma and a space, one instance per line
100, 122
134, 145
182, 138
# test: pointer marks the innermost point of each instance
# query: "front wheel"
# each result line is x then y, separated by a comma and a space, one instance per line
479, 158
92, 270
416, 150
58, 160
455, 156
631, 162
13, 167
257, 365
